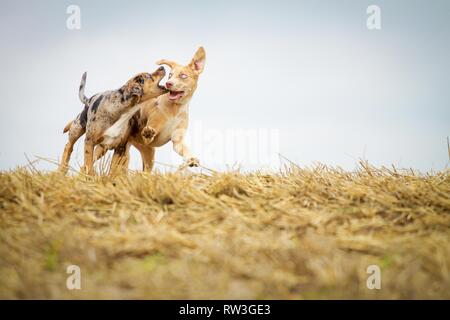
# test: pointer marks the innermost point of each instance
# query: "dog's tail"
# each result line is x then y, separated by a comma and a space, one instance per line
67, 127
81, 95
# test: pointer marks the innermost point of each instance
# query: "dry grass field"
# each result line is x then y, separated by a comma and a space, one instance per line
297, 234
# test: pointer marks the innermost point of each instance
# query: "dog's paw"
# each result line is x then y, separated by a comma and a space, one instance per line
148, 134
193, 162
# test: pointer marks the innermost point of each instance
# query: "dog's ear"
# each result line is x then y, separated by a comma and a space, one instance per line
169, 63
158, 72
198, 61
134, 88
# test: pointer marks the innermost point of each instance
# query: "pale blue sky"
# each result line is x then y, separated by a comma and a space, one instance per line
311, 70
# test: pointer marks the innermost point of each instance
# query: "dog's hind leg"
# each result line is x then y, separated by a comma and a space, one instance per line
148, 158
147, 155
64, 165
89, 156
120, 160
76, 131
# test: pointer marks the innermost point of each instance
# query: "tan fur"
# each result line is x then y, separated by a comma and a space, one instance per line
163, 119
67, 127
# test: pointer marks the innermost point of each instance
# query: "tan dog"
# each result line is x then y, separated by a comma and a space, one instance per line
102, 110
165, 118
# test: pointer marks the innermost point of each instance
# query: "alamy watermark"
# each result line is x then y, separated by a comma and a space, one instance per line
73, 281
234, 146
374, 278
374, 19
73, 21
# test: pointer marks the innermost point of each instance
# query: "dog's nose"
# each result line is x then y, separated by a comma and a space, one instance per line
169, 84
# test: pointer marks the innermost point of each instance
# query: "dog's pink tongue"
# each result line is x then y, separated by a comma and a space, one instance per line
174, 95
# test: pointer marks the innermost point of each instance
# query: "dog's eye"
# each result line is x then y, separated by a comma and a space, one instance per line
183, 76
140, 80
170, 75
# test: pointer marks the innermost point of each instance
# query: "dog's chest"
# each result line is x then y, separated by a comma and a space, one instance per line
166, 131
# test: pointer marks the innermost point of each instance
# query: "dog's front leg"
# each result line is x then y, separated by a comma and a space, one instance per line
152, 127
89, 156
180, 147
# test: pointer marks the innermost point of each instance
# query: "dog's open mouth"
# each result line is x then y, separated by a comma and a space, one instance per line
175, 95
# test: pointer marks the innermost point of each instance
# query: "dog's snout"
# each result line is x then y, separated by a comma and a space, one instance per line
169, 84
